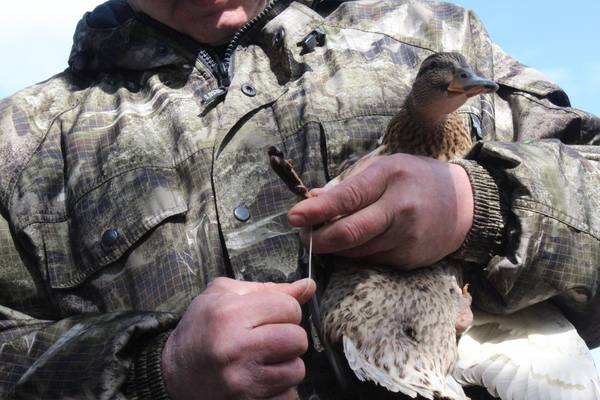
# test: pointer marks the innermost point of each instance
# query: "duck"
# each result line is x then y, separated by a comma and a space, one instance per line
398, 329
412, 332
427, 123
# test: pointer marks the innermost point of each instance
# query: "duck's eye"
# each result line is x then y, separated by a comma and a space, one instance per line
464, 75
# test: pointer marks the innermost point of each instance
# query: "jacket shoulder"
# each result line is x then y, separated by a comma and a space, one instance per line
26, 118
432, 25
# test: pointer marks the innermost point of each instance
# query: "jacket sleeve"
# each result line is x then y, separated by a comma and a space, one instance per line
46, 353
536, 182
84, 356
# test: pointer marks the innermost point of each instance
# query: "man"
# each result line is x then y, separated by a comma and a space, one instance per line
140, 174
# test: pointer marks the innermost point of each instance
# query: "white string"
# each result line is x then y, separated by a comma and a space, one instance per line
310, 272
310, 255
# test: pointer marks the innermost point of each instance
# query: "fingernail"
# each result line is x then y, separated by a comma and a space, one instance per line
303, 281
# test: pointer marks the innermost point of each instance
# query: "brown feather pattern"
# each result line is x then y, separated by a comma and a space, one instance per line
398, 329
445, 141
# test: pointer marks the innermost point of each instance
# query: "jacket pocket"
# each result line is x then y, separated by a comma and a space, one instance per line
107, 221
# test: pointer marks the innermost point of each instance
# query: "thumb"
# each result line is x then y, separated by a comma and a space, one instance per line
352, 194
301, 290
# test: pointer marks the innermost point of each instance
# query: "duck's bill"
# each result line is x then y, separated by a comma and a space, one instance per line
466, 82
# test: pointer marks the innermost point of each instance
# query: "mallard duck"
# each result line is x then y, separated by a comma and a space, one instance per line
427, 123
400, 329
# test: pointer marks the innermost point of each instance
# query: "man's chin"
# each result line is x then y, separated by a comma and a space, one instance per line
220, 27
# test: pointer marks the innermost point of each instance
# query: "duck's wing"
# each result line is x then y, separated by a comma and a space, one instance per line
396, 329
534, 354
415, 382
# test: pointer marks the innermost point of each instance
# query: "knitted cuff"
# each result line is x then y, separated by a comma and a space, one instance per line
145, 379
485, 237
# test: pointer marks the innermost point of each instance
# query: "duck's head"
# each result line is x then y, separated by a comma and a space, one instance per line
444, 83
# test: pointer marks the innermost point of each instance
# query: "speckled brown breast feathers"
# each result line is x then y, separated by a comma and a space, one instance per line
450, 139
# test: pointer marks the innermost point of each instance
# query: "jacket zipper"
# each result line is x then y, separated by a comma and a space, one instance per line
221, 69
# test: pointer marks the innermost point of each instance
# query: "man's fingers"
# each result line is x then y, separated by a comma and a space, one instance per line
277, 343
354, 193
379, 244
276, 381
318, 191
352, 231
301, 290
263, 308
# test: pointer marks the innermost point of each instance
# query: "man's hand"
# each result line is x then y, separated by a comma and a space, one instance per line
239, 340
400, 210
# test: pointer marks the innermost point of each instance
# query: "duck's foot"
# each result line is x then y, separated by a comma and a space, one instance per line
465, 315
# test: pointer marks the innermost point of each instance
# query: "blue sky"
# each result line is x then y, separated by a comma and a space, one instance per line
562, 39
559, 38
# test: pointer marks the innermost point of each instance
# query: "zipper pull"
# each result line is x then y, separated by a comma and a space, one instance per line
212, 98
215, 96
222, 74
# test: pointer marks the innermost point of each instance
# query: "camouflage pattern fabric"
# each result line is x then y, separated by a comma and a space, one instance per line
118, 185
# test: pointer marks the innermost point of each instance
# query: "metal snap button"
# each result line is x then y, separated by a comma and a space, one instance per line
248, 90
109, 237
241, 213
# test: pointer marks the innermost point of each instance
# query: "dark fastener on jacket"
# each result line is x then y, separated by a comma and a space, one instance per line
312, 40
248, 90
109, 237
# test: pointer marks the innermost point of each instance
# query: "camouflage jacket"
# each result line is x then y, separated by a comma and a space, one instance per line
139, 174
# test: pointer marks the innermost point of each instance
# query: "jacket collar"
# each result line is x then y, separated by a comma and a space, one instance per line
114, 37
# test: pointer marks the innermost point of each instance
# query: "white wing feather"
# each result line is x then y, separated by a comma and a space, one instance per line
413, 384
534, 354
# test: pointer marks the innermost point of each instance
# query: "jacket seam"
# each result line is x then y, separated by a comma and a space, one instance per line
60, 217
67, 216
99, 183
380, 33
531, 97
551, 212
43, 139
